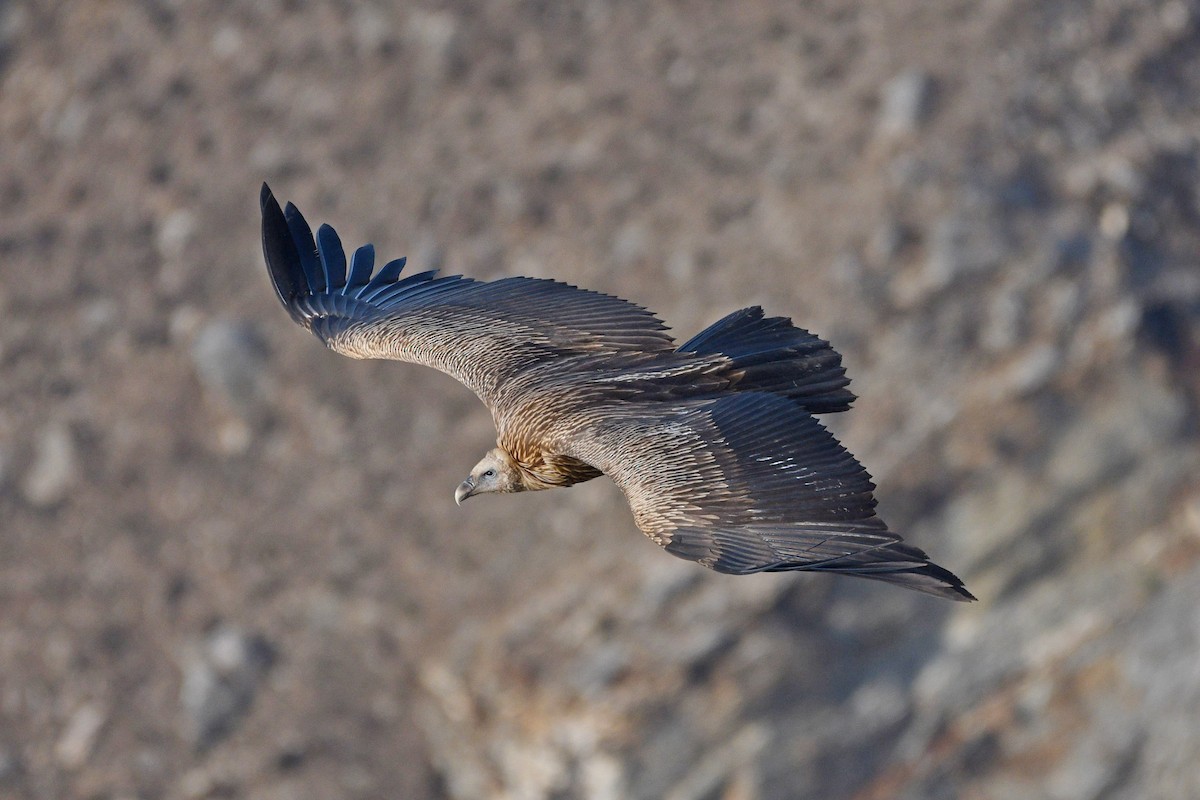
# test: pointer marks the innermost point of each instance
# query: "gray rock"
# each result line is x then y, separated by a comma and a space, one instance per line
98, 317
434, 34
681, 266
230, 359
715, 768
905, 103
55, 468
5, 468
959, 244
1028, 372
371, 28
10, 767
1003, 326
14, 22
1160, 662
1113, 436
886, 241
175, 232
630, 244
1100, 761
220, 678
78, 739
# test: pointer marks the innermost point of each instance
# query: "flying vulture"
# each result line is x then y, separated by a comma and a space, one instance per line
714, 442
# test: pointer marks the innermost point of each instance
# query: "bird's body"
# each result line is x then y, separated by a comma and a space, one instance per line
713, 442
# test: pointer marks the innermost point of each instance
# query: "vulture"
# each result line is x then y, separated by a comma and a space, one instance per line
714, 442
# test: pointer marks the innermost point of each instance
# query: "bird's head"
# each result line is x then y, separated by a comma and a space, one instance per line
495, 472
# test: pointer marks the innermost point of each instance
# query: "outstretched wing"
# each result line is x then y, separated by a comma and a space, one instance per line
482, 333
749, 483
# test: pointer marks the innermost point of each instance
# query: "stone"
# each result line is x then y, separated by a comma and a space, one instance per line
1160, 662
220, 678
371, 29
230, 359
55, 468
10, 767
78, 740
905, 102
175, 232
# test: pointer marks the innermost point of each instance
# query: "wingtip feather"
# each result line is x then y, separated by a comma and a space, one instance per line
306, 247
280, 253
333, 257
310, 273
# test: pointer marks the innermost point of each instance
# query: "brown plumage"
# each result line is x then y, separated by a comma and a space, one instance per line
713, 442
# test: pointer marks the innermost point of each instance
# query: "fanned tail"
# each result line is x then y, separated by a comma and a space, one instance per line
769, 354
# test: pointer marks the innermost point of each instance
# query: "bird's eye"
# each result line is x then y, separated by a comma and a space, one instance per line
491, 473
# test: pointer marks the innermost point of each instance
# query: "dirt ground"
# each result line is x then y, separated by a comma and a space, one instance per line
230, 561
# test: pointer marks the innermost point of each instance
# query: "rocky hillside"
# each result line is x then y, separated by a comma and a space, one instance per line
231, 563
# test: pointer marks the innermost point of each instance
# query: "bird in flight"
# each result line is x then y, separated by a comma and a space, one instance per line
714, 442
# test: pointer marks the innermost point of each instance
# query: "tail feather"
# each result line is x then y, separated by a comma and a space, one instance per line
769, 354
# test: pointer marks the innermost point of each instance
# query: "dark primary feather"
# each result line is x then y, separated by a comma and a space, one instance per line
712, 442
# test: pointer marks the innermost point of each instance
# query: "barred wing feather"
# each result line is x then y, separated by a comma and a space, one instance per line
480, 332
749, 483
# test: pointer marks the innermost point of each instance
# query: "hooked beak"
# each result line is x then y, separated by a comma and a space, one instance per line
464, 490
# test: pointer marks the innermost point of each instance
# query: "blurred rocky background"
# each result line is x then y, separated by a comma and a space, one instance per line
230, 562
